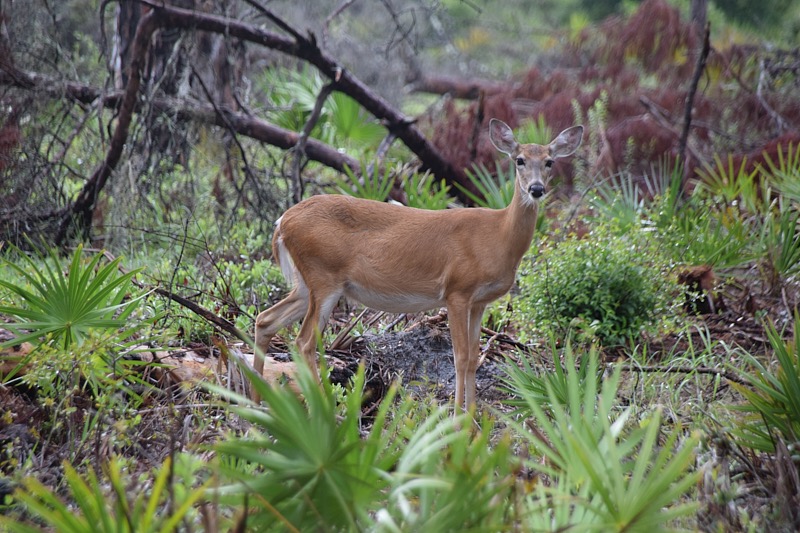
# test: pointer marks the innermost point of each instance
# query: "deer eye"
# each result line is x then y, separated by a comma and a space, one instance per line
520, 161
548, 163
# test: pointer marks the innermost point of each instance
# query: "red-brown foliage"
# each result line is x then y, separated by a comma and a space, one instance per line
643, 64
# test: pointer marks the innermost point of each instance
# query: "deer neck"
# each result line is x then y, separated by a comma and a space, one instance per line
520, 223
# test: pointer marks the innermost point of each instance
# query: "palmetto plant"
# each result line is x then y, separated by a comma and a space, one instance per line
784, 171
311, 465
64, 307
605, 475
526, 383
371, 186
493, 194
342, 121
160, 508
772, 394
731, 184
423, 192
779, 243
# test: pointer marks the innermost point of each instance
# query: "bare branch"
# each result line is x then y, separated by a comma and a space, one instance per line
300, 147
187, 109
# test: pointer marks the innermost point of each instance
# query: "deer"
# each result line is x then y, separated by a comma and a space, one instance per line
400, 259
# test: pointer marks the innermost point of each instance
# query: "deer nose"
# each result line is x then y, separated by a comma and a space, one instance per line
536, 190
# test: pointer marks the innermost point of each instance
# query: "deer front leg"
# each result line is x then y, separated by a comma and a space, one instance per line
458, 317
474, 352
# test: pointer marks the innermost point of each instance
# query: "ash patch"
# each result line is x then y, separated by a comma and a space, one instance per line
421, 357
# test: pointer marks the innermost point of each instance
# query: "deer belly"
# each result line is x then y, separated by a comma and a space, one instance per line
399, 300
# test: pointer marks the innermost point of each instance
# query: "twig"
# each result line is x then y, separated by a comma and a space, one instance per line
300, 147
505, 339
660, 116
223, 114
476, 127
218, 321
403, 33
80, 210
338, 342
277, 21
383, 149
485, 350
335, 13
394, 322
779, 121
685, 370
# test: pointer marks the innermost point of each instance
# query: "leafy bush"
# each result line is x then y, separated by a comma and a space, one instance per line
605, 286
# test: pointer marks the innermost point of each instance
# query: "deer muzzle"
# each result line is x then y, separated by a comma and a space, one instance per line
536, 190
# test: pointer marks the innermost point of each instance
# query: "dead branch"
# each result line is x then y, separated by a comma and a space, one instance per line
660, 116
730, 376
82, 207
780, 123
204, 313
297, 45
185, 110
343, 80
455, 87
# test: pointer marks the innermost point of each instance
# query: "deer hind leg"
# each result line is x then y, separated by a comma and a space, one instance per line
319, 309
282, 314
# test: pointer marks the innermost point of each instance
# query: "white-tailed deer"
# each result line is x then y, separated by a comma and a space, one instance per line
404, 260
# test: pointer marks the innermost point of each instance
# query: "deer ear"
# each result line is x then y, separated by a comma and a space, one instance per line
502, 137
567, 142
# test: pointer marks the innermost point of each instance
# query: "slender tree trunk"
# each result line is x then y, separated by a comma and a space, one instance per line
699, 15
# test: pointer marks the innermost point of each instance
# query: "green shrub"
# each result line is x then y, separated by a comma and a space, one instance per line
605, 286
